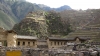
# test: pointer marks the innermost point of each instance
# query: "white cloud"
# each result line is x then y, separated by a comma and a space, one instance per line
75, 4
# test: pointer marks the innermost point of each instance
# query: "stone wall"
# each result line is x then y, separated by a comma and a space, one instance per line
26, 43
55, 44
11, 40
49, 52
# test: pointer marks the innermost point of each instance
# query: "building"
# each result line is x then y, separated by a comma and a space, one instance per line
77, 40
42, 44
54, 42
26, 41
9, 38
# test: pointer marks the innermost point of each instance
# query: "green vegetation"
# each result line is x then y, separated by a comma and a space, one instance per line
21, 9
34, 24
6, 21
13, 11
17, 10
42, 25
56, 25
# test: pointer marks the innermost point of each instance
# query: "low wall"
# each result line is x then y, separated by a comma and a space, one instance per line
41, 52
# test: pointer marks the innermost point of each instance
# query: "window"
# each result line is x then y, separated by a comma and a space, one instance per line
51, 43
18, 43
23, 43
33, 43
28, 43
55, 43
58, 43
64, 43
61, 43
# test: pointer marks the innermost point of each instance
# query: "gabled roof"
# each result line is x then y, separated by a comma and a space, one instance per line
80, 38
68, 39
56, 38
26, 37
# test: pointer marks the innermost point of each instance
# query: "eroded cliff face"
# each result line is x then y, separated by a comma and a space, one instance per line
34, 24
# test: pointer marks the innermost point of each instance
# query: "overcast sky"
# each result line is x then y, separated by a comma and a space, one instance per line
75, 4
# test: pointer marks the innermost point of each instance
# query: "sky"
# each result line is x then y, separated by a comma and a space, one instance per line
74, 4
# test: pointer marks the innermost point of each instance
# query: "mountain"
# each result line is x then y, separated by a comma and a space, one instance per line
62, 8
47, 8
33, 24
21, 9
6, 21
96, 16
44, 7
7, 18
42, 24
13, 11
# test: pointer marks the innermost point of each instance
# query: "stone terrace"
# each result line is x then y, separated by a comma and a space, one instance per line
88, 31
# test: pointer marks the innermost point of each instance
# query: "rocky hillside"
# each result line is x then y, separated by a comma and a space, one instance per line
12, 11
21, 9
7, 18
42, 25
64, 22
62, 8
81, 18
15, 10
96, 17
91, 29
34, 24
